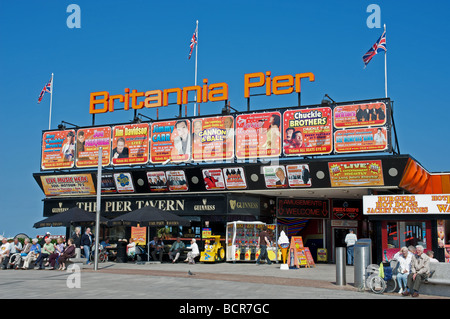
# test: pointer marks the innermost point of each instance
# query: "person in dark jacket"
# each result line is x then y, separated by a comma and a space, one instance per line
68, 252
86, 242
77, 241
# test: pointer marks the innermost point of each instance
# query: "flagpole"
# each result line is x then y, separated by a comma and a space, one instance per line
51, 98
385, 66
196, 53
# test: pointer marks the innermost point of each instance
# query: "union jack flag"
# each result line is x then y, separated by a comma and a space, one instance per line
193, 43
47, 88
378, 47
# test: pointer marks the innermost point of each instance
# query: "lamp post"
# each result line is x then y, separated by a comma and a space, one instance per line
97, 217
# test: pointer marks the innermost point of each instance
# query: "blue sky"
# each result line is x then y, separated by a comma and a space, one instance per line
144, 45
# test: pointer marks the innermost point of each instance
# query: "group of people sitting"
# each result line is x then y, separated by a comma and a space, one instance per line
14, 255
413, 269
157, 249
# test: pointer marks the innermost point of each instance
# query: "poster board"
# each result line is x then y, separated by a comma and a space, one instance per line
309, 257
296, 255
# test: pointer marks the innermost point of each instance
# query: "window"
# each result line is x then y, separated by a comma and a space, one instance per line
392, 233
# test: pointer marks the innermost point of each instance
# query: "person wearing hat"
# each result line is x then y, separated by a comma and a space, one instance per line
35, 250
193, 253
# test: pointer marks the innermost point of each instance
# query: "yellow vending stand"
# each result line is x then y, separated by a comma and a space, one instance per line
242, 241
214, 251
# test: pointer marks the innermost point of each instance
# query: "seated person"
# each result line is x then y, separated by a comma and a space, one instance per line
420, 270
69, 252
17, 258
33, 254
46, 251
193, 253
175, 250
5, 250
157, 247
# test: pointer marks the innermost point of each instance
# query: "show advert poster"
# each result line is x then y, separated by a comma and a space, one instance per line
357, 173
108, 185
170, 140
124, 182
130, 144
308, 131
75, 184
361, 140
213, 138
275, 176
88, 142
177, 181
234, 178
58, 149
157, 181
298, 175
213, 179
358, 115
258, 135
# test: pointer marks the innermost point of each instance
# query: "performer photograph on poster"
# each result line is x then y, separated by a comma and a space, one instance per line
181, 138
58, 149
213, 179
275, 177
130, 144
120, 151
359, 115
88, 142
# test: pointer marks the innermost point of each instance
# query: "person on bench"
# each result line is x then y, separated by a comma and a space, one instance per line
175, 250
5, 250
420, 270
46, 251
69, 252
193, 253
32, 255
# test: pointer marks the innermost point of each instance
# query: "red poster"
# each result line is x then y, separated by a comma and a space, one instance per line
258, 135
358, 115
130, 144
308, 132
361, 140
170, 141
213, 179
213, 138
58, 149
234, 178
88, 142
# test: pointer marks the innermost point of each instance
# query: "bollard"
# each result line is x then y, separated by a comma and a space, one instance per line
340, 266
362, 259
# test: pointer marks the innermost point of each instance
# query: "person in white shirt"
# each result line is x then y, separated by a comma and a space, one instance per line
430, 254
5, 249
193, 253
404, 257
350, 240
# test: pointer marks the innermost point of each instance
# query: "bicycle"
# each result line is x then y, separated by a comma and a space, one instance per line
378, 284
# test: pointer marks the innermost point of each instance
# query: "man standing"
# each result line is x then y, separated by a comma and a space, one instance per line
263, 242
420, 270
350, 240
86, 242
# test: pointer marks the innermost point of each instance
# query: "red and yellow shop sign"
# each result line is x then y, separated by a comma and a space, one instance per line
356, 173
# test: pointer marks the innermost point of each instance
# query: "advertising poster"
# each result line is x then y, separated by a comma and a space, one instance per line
139, 235
358, 173
157, 182
361, 140
308, 131
299, 175
108, 185
234, 178
87, 144
124, 182
58, 149
130, 144
258, 135
358, 115
177, 181
213, 138
213, 179
170, 140
275, 177
60, 185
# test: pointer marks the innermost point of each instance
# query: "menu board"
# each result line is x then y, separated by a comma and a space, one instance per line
361, 140
298, 175
213, 179
58, 149
308, 131
177, 181
130, 144
75, 184
170, 140
234, 178
258, 135
88, 142
213, 138
124, 182
157, 181
358, 115
275, 177
356, 173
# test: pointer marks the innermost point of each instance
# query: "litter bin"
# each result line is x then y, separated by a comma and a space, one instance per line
362, 259
121, 256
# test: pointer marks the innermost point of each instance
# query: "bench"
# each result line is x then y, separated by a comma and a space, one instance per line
438, 283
